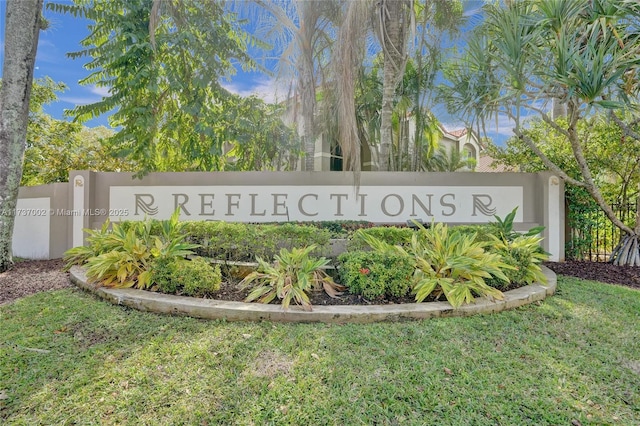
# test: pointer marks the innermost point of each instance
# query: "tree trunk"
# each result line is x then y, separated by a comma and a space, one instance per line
308, 99
386, 129
21, 42
308, 11
393, 28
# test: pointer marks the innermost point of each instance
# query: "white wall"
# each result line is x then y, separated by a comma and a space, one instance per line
31, 228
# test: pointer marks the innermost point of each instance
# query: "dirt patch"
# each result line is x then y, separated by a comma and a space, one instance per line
271, 365
32, 276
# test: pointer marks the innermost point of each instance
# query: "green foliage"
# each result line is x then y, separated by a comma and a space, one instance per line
524, 255
453, 264
339, 228
124, 267
449, 263
258, 137
195, 277
54, 147
162, 275
376, 275
391, 235
293, 274
484, 233
243, 241
99, 241
612, 156
162, 63
582, 57
123, 256
504, 227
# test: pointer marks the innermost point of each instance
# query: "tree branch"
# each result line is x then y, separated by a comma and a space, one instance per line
554, 125
626, 129
585, 171
547, 162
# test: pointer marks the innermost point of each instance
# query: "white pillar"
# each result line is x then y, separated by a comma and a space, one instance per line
77, 225
554, 217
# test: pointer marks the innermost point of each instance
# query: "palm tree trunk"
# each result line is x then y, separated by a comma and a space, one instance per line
21, 42
393, 16
386, 130
308, 113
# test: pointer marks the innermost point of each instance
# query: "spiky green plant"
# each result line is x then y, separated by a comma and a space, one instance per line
449, 263
290, 277
122, 258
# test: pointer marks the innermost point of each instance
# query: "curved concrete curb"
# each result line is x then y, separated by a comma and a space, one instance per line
238, 311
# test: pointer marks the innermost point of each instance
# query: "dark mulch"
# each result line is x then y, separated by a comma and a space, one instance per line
28, 277
598, 271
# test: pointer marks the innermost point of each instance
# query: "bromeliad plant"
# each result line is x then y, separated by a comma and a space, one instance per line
449, 263
290, 277
123, 258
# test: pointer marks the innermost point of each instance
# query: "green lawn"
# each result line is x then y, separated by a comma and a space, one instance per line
68, 358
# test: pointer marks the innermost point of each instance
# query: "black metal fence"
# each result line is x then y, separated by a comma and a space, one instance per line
590, 234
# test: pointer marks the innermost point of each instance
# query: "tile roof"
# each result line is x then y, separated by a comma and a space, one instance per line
487, 164
457, 133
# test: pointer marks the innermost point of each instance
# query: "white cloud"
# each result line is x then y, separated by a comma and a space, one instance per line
100, 91
96, 94
267, 89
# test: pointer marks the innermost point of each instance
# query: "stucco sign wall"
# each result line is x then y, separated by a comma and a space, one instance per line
90, 198
473, 204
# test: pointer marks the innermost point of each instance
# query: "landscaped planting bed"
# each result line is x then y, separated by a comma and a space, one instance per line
380, 265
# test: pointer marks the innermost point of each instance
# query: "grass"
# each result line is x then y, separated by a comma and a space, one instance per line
68, 358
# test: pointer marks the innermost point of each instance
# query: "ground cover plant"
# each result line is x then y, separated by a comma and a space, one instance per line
68, 358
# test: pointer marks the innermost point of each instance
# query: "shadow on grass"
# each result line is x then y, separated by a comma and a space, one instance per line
568, 358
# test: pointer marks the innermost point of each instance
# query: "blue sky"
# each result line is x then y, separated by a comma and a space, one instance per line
65, 33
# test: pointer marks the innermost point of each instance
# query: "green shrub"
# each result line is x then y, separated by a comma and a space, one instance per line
162, 275
197, 277
524, 255
122, 257
374, 274
448, 263
242, 241
221, 240
292, 275
336, 228
290, 235
389, 234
